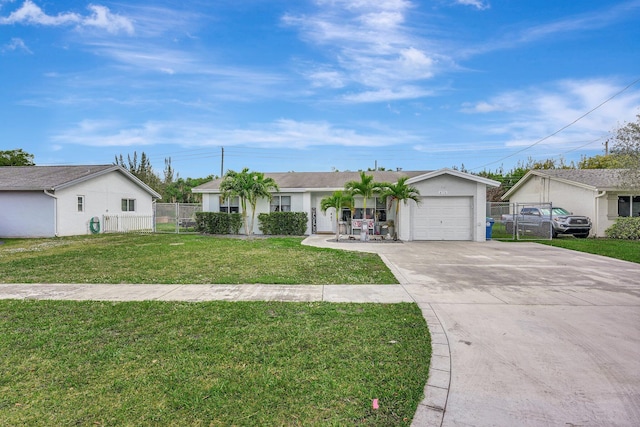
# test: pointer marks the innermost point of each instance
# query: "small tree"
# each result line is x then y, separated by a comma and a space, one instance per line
625, 144
400, 191
16, 158
366, 188
338, 200
248, 187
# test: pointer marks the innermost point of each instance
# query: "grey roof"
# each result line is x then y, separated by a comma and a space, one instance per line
51, 178
598, 178
317, 180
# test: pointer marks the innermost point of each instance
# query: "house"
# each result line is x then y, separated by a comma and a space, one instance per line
47, 201
453, 203
600, 194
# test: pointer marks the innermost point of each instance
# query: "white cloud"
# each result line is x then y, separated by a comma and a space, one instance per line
395, 94
100, 17
588, 21
103, 18
524, 117
16, 44
478, 4
283, 133
30, 13
371, 48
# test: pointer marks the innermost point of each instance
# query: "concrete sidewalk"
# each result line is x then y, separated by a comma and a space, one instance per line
195, 293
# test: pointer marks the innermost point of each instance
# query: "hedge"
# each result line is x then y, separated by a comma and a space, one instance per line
218, 222
283, 223
627, 228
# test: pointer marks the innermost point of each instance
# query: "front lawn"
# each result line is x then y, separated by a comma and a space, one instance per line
215, 363
182, 258
627, 250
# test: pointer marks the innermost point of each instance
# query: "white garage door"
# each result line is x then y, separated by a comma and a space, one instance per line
443, 218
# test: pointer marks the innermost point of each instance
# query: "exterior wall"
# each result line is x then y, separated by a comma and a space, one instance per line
448, 186
579, 200
27, 214
102, 196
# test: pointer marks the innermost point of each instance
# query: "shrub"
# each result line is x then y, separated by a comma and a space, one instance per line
627, 228
218, 222
283, 223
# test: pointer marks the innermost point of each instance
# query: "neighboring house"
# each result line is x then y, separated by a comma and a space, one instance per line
453, 203
599, 194
47, 201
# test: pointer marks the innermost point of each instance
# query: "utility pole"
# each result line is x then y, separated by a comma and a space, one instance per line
222, 162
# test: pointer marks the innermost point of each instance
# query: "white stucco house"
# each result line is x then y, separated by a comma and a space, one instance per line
453, 203
601, 194
47, 201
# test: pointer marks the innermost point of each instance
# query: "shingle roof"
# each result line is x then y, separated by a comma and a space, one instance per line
599, 178
317, 180
39, 178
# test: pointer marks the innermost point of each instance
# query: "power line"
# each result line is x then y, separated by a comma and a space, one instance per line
564, 127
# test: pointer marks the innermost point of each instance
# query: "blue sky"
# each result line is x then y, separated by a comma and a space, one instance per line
316, 85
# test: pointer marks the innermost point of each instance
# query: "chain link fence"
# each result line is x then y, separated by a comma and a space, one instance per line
175, 217
520, 221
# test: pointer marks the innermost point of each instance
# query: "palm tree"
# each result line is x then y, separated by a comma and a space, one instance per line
337, 200
248, 187
366, 188
261, 188
400, 191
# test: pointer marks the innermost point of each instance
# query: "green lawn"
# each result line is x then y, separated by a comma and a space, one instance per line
210, 363
68, 363
627, 250
183, 258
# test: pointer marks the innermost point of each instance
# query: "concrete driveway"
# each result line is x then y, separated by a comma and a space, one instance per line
531, 335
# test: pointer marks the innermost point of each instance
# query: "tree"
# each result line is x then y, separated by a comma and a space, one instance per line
248, 187
625, 144
16, 158
142, 170
607, 161
400, 192
179, 191
366, 188
337, 200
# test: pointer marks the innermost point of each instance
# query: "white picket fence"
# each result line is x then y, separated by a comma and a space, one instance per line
128, 223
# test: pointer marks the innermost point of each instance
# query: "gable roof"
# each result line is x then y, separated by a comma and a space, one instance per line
330, 181
453, 172
52, 178
594, 179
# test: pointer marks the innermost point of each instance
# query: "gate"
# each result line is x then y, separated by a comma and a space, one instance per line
175, 217
520, 221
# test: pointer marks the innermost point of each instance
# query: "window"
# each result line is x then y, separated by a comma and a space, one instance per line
281, 204
80, 203
379, 212
128, 205
381, 209
230, 205
628, 205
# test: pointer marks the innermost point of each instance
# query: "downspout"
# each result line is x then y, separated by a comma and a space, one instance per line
597, 211
55, 211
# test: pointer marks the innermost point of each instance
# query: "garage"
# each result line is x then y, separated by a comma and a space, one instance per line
443, 218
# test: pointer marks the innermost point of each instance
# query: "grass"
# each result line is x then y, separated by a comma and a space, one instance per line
627, 250
215, 363
183, 258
